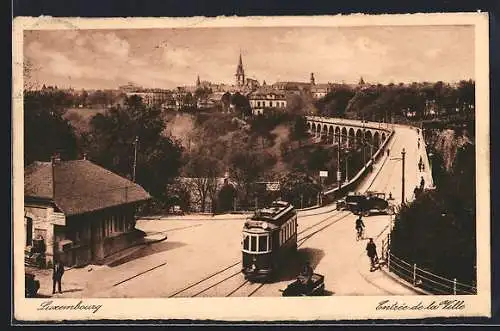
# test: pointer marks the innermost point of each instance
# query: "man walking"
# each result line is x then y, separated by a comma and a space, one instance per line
57, 273
371, 251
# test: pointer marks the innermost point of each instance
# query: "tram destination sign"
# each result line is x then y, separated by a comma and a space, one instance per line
273, 186
323, 173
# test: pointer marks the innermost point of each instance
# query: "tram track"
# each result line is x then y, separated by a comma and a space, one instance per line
228, 273
219, 277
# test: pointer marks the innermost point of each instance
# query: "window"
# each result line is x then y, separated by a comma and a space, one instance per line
245, 242
253, 243
263, 243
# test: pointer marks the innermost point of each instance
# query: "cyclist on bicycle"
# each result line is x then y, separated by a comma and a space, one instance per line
359, 226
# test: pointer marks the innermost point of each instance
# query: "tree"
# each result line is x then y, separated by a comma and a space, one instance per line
299, 189
46, 132
110, 143
335, 103
300, 129
204, 171
248, 166
225, 198
226, 101
241, 104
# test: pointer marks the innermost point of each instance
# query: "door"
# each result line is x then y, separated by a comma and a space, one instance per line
94, 229
29, 231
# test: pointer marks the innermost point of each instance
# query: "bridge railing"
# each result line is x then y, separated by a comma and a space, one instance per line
357, 123
421, 278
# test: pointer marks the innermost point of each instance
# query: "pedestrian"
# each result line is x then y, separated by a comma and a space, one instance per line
371, 251
416, 191
57, 273
388, 151
422, 183
307, 273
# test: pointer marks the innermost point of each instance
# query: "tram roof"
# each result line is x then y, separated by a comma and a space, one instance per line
274, 212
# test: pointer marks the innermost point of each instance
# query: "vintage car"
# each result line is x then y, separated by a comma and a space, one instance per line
31, 285
176, 210
300, 287
365, 204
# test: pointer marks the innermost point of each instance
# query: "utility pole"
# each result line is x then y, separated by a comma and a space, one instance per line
338, 163
403, 200
346, 167
136, 142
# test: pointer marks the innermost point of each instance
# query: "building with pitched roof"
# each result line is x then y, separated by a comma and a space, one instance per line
266, 98
83, 212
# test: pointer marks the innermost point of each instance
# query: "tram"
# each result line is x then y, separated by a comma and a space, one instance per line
269, 237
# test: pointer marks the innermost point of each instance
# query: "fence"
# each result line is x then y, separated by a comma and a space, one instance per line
423, 279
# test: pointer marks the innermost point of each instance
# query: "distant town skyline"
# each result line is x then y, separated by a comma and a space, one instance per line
167, 58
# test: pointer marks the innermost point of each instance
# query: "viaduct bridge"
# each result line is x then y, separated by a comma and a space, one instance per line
349, 133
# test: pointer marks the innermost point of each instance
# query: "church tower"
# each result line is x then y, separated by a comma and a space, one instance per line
313, 82
240, 74
198, 83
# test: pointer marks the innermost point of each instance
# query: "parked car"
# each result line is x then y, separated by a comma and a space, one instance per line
365, 204
176, 210
31, 285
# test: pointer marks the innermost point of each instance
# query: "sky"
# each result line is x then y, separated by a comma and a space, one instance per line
167, 58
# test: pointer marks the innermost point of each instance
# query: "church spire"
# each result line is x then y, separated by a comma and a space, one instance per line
198, 83
240, 73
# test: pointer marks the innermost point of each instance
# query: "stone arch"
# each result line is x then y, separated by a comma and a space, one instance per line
383, 136
313, 127
369, 137
330, 133
343, 138
336, 136
351, 136
324, 132
308, 126
376, 139
359, 137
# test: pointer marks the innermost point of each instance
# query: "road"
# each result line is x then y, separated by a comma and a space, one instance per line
200, 247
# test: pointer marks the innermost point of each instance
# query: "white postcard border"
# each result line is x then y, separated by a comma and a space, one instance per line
260, 309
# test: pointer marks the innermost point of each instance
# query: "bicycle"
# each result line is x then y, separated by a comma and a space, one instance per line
359, 233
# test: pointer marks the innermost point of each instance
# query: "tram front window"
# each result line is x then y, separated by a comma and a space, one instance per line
253, 243
245, 242
263, 244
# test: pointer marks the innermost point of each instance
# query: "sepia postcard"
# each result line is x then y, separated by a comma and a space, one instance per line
311, 168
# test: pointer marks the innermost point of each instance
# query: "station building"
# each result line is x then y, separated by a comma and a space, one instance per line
81, 211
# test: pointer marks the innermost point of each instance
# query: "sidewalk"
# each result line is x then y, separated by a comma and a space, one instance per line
311, 211
381, 278
77, 279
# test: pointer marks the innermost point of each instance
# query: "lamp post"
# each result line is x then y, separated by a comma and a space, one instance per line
136, 142
338, 162
403, 199
346, 167
403, 153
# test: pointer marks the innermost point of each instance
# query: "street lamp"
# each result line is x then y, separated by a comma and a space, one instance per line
403, 199
338, 162
136, 142
402, 158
